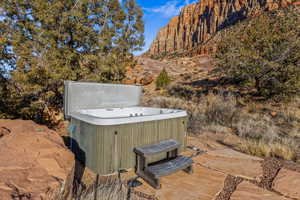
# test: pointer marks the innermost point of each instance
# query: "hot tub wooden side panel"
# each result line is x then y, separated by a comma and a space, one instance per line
92, 146
109, 148
139, 134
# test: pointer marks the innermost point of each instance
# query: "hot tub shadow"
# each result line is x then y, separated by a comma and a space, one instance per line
80, 164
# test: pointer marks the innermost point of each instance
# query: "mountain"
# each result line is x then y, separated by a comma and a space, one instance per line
197, 23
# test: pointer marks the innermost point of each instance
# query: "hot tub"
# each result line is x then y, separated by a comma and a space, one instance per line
115, 116
106, 123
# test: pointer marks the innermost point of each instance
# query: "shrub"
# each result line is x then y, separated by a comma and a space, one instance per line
195, 117
220, 110
256, 127
181, 91
163, 80
263, 137
287, 116
209, 113
261, 134
285, 149
215, 128
264, 53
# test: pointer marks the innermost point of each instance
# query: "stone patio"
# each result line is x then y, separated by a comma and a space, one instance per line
208, 180
248, 191
287, 182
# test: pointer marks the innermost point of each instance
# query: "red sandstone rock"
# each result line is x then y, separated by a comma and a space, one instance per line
203, 184
287, 182
35, 164
232, 162
129, 81
4, 131
146, 79
250, 191
198, 22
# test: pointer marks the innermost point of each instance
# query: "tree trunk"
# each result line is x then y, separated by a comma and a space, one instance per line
257, 85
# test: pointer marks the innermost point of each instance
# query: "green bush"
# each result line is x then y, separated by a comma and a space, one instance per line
163, 80
264, 54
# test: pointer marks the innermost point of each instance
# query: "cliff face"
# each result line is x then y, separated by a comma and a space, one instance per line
198, 22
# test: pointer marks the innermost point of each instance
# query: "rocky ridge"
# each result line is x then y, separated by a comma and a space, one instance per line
198, 22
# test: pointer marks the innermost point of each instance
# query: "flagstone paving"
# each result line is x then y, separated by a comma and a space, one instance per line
221, 173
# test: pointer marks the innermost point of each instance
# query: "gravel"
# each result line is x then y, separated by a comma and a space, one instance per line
230, 184
271, 167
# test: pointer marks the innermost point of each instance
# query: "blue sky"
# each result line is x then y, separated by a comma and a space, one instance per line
157, 14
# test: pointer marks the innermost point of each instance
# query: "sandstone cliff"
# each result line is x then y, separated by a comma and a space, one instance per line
198, 22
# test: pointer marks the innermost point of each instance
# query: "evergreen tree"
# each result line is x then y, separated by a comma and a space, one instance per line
132, 35
264, 54
44, 43
163, 79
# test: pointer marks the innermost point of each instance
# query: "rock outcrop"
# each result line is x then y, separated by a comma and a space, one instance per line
137, 76
35, 164
198, 22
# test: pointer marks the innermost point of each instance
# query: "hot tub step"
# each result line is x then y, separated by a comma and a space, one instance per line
163, 146
169, 167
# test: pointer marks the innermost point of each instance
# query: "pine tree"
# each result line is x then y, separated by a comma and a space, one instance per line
44, 43
263, 53
132, 35
163, 79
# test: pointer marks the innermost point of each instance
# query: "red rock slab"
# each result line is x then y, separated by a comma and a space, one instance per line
248, 191
231, 162
34, 162
287, 182
203, 184
204, 143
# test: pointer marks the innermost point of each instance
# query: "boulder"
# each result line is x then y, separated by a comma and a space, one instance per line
35, 163
146, 79
129, 81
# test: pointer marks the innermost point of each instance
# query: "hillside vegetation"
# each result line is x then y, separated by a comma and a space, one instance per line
263, 54
253, 92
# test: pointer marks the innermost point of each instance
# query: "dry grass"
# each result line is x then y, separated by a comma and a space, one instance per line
267, 136
266, 130
295, 132
219, 110
212, 112
286, 149
112, 190
215, 128
256, 126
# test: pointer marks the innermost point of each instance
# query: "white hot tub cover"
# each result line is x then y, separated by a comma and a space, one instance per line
85, 95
